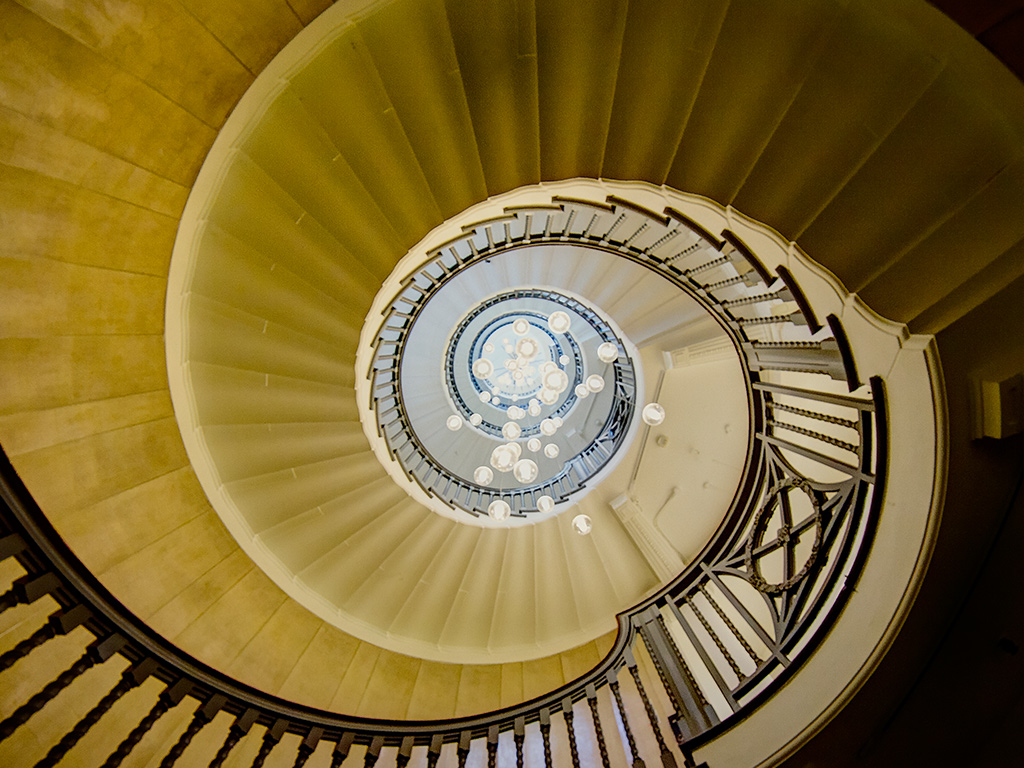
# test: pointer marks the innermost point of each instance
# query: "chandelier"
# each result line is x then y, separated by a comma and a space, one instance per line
531, 375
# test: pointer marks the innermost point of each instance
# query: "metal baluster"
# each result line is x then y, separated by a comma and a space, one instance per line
815, 435
635, 235
270, 740
697, 691
732, 627
761, 344
9, 599
611, 230
662, 240
59, 623
668, 760
568, 223
571, 731
519, 736
434, 750
707, 265
547, 226
463, 750
757, 298
307, 747
723, 283
685, 252
634, 754
202, 716
96, 653
772, 320
717, 641
848, 423
170, 697
545, 735
28, 589
342, 748
373, 752
598, 732
404, 752
30, 643
237, 730
132, 677
492, 747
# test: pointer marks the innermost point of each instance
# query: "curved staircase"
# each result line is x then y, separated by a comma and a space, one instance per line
879, 138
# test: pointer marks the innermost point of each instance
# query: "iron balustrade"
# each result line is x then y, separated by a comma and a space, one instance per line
645, 236
721, 638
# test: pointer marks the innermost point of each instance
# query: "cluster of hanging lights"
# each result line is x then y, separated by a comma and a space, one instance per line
547, 381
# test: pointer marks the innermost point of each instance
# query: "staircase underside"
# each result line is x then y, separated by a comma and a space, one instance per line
878, 136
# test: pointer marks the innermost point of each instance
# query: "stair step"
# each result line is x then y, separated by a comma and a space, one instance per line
342, 89
411, 47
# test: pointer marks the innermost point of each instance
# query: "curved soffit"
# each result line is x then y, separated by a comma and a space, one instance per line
95, 187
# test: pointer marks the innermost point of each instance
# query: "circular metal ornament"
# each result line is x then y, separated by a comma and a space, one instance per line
784, 537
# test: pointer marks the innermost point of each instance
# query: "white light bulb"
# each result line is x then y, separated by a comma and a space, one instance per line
483, 368
485, 397
454, 423
488, 347
483, 475
551, 451
582, 524
516, 448
607, 352
545, 504
527, 347
533, 444
558, 421
559, 322
499, 510
525, 471
548, 427
557, 380
520, 327
534, 409
475, 419
548, 396
564, 359
653, 414
503, 458
582, 391
511, 430
595, 383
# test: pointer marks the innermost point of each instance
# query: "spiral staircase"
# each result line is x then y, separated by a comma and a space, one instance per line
882, 140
